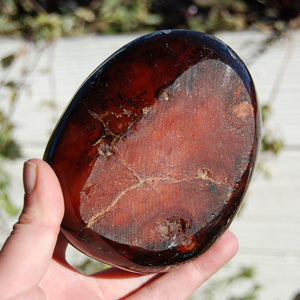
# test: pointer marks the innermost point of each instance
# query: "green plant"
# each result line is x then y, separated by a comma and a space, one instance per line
230, 286
30, 20
126, 16
9, 149
11, 88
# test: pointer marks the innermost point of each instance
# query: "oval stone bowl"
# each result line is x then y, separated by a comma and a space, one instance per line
155, 152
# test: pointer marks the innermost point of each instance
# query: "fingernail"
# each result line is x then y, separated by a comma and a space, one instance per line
29, 176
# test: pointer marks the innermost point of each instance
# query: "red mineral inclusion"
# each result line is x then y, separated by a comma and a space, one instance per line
155, 151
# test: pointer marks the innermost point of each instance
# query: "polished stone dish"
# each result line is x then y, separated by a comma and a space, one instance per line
155, 151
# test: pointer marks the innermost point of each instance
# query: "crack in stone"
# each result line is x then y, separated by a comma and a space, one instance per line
205, 174
96, 216
150, 180
108, 132
135, 173
127, 167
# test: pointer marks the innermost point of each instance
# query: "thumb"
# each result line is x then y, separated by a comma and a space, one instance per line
27, 253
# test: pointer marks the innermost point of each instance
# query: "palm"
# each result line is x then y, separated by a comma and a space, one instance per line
61, 281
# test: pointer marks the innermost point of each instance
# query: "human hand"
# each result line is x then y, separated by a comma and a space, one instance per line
33, 265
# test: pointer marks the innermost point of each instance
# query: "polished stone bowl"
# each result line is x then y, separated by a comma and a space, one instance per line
155, 151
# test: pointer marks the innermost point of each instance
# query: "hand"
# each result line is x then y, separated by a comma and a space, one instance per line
33, 265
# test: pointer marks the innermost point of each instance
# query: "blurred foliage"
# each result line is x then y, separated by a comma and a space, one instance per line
244, 276
269, 142
13, 82
5, 202
9, 149
218, 15
38, 20
49, 19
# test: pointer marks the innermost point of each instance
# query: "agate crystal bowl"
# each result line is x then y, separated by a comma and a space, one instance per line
155, 151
